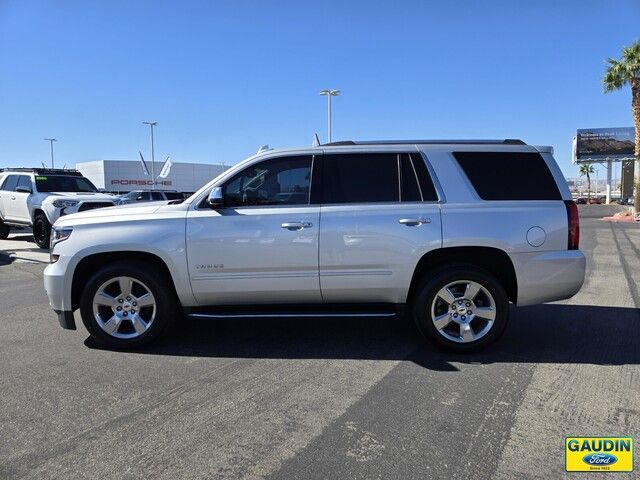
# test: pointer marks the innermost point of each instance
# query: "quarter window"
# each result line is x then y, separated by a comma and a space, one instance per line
278, 181
509, 175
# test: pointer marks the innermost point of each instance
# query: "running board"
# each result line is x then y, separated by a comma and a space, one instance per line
286, 315
289, 311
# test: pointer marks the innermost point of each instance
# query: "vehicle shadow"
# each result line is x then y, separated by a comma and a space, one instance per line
550, 333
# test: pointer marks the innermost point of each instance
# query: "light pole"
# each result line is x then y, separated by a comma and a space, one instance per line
329, 94
51, 140
153, 157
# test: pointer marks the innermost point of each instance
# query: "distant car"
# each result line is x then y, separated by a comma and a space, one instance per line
631, 201
594, 201
37, 197
148, 196
581, 201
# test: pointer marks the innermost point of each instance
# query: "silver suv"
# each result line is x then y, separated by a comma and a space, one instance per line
448, 232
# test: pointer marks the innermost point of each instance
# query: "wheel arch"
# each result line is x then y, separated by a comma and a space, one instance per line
91, 263
493, 260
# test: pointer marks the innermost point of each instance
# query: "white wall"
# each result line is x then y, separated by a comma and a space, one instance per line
127, 175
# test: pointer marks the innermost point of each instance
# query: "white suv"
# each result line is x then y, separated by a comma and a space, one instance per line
38, 197
449, 232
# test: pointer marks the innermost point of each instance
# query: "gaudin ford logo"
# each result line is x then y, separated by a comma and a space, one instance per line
599, 454
599, 459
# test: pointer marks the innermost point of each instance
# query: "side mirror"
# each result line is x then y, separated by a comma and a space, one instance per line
215, 199
23, 190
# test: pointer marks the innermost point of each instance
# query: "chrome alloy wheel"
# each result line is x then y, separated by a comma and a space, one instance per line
124, 307
463, 311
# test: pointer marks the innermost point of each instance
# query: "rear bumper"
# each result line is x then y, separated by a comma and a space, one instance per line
548, 276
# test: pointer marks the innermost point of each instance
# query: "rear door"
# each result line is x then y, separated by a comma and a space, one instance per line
19, 203
376, 220
7, 191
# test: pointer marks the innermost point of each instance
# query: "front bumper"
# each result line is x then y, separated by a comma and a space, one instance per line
548, 276
55, 286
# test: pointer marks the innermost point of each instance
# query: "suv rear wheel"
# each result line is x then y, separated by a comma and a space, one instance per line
461, 308
4, 230
127, 305
41, 230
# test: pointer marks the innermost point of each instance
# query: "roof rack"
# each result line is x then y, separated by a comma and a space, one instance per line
44, 171
507, 141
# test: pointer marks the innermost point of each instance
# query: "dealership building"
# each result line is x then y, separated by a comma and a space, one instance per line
127, 175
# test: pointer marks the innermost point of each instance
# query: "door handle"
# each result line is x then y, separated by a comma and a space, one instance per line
296, 225
412, 222
13, 198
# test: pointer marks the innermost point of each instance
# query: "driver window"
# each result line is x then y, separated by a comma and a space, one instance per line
278, 181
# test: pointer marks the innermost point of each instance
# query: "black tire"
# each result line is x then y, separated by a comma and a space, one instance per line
4, 230
150, 276
426, 299
41, 230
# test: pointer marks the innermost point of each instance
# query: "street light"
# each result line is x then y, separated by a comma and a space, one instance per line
329, 94
51, 140
153, 158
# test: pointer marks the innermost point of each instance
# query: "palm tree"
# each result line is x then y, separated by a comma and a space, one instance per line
587, 170
620, 73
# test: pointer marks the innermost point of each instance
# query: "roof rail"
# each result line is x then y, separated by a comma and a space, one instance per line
507, 141
43, 171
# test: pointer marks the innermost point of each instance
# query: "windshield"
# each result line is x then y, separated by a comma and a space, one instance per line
63, 183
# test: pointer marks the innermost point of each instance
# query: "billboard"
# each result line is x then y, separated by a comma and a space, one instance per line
593, 144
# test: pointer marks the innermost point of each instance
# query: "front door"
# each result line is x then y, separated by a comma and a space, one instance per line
262, 246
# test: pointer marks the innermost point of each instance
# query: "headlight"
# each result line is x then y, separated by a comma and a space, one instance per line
60, 234
64, 203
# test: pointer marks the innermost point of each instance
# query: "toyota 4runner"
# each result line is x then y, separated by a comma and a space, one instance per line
449, 232
38, 197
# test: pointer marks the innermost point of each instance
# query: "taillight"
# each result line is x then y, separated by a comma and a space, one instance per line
573, 221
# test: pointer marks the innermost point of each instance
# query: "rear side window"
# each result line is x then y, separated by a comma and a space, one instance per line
509, 175
10, 183
360, 178
156, 196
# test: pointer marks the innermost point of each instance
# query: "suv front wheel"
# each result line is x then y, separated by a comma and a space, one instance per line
461, 308
41, 230
127, 305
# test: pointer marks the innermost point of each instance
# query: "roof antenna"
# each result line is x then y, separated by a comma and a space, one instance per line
43, 165
264, 148
316, 140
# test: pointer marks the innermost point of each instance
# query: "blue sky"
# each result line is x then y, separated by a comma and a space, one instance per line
223, 78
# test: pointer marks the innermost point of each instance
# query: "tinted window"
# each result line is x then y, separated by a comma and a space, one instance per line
24, 181
360, 177
425, 181
10, 183
509, 176
144, 196
60, 183
410, 192
278, 181
157, 196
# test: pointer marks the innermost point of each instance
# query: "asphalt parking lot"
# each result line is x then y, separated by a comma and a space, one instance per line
336, 398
